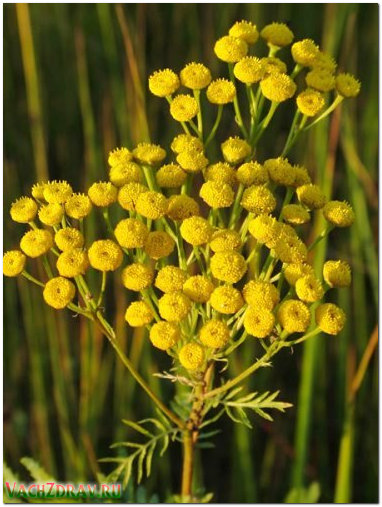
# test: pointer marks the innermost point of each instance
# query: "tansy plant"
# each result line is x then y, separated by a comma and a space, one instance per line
211, 265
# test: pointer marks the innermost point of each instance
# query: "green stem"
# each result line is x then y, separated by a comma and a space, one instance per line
239, 118
215, 126
200, 117
236, 209
337, 101
323, 234
102, 291
31, 278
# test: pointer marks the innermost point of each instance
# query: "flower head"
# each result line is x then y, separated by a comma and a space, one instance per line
252, 173
159, 244
347, 85
277, 34
216, 194
273, 65
72, 263
37, 242
230, 49
151, 205
137, 276
59, 292
337, 273
138, 314
321, 80
305, 52
128, 195
324, 61
309, 289
150, 154
195, 76
261, 294
221, 91
310, 102
229, 266
23, 210
186, 142
191, 356
170, 279
51, 214
296, 270
289, 248
225, 240
105, 255
339, 213
198, 288
192, 161
38, 191
295, 214
131, 233
258, 322
183, 108
163, 83
330, 318
301, 176
258, 199
164, 335
226, 299
13, 263
278, 87
128, 172
249, 70
220, 172
78, 206
69, 238
244, 30
103, 193
181, 207
214, 333
57, 191
196, 231
119, 156
235, 150
174, 306
294, 316
265, 229
171, 176
311, 196
280, 171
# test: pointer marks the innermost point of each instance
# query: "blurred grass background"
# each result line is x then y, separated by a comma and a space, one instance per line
75, 86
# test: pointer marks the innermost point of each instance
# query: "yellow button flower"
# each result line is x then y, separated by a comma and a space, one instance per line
258, 199
105, 255
296, 270
103, 193
324, 61
301, 176
260, 294
310, 102
228, 266
186, 142
131, 233
119, 156
230, 49
339, 213
196, 231
38, 191
171, 176
226, 299
13, 263
278, 87
244, 30
295, 214
159, 244
181, 207
59, 292
150, 154
163, 83
321, 80
259, 322
309, 289
249, 70
235, 150
78, 206
174, 306
225, 239
192, 161
37, 242
290, 249
311, 196
198, 288
151, 205
280, 171
216, 194
221, 91
265, 229
128, 195
69, 238
23, 210
347, 85
294, 316
170, 279
277, 34
137, 276
191, 356
57, 191
51, 214
337, 273
129, 172
304, 52
184, 108
214, 334
252, 173
273, 65
220, 172
138, 314
164, 335
195, 76
330, 318
72, 263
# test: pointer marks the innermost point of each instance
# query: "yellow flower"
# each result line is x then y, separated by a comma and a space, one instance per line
159, 244
290, 248
23, 210
330, 318
51, 214
72, 263
226, 299
119, 156
163, 83
138, 314
225, 240
216, 194
278, 87
129, 172
198, 288
294, 316
265, 229
324, 61
258, 199
280, 171
59, 292
183, 108
235, 150
171, 176
295, 214
230, 49
320, 79
37, 242
311, 196
252, 173
296, 270
192, 161
309, 289
301, 176
249, 70
277, 34
244, 30
195, 76
191, 356
181, 207
186, 142
13, 263
273, 65
310, 102
128, 195
339, 213
221, 91
150, 154
220, 172
69, 238
57, 191
164, 335
174, 306
347, 85
105, 255
228, 266
304, 52
337, 273
260, 294
258, 322
78, 206
151, 205
214, 333
196, 231
137, 276
103, 193
131, 233
38, 191
170, 279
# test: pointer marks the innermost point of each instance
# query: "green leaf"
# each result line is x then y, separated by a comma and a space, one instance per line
38, 473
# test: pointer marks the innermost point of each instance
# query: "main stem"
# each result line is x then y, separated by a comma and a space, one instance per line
188, 466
